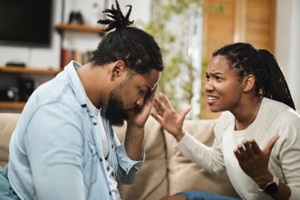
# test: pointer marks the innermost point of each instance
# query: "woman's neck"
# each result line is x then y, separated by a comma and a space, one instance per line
245, 119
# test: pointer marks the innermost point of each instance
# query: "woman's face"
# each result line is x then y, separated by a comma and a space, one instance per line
223, 87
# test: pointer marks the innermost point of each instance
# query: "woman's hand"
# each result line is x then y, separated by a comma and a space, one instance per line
254, 161
168, 118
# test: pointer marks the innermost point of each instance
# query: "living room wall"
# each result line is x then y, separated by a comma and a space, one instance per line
287, 42
50, 56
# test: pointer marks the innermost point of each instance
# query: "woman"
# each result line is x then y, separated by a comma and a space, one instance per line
257, 134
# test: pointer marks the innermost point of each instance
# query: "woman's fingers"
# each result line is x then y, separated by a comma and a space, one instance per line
186, 111
166, 101
156, 117
158, 106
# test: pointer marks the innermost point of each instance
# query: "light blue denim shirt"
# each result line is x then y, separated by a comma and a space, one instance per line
56, 151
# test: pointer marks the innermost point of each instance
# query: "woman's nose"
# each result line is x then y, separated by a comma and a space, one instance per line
208, 86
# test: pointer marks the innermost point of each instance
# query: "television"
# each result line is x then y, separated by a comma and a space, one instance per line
26, 22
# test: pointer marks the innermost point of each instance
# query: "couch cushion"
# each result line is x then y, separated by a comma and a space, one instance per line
151, 181
8, 123
187, 175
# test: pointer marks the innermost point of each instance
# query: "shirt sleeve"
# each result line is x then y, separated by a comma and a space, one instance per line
54, 148
128, 168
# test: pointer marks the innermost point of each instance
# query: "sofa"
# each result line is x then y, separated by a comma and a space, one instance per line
165, 171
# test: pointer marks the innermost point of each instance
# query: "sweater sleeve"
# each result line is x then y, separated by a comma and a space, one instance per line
286, 151
210, 158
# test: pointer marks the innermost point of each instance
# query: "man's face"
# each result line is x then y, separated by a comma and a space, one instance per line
115, 112
130, 95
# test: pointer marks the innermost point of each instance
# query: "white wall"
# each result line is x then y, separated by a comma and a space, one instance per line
50, 57
287, 44
140, 12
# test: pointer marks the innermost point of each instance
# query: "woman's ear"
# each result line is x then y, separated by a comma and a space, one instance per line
118, 69
248, 82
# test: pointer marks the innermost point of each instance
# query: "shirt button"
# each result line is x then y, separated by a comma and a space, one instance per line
110, 193
94, 123
100, 159
112, 146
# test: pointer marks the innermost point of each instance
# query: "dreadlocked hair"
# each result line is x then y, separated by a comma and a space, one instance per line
135, 47
269, 79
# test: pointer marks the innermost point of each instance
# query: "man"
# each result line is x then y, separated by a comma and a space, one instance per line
63, 147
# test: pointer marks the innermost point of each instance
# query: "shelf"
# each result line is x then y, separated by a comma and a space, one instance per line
12, 105
26, 70
16, 105
79, 28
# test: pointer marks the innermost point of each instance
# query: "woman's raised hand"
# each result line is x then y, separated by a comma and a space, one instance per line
167, 116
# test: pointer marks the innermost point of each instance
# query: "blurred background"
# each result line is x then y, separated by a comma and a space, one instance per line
38, 39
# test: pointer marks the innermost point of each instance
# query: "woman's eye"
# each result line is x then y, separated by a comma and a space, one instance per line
207, 77
218, 78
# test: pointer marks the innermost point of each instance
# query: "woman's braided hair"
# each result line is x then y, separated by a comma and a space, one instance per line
269, 79
135, 47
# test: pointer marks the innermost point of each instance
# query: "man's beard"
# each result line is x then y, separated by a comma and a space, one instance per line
115, 112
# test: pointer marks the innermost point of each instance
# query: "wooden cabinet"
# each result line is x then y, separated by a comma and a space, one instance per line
11, 70
251, 21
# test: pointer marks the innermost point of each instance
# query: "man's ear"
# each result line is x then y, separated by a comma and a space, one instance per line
248, 82
118, 69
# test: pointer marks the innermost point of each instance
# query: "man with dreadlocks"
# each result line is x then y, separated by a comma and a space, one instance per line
64, 147
258, 133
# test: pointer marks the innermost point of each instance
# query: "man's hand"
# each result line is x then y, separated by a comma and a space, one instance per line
135, 128
139, 117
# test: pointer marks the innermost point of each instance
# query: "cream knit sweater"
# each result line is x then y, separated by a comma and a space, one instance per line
273, 118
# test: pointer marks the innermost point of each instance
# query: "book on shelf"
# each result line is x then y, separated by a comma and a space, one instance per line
72, 54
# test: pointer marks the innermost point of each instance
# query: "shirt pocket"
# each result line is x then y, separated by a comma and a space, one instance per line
91, 165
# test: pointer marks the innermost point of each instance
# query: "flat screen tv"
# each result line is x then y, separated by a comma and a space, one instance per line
26, 22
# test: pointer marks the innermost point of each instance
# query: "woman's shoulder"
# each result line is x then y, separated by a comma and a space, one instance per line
278, 111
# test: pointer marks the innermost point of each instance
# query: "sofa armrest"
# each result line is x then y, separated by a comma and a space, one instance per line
8, 123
